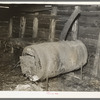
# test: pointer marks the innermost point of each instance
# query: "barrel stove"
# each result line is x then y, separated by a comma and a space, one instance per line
50, 59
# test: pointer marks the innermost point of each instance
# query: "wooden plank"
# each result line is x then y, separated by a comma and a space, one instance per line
45, 11
83, 13
67, 7
4, 27
46, 16
88, 30
52, 24
27, 35
90, 13
89, 24
22, 26
64, 12
62, 18
89, 21
60, 22
10, 27
59, 27
89, 35
89, 7
58, 32
28, 32
96, 67
4, 35
43, 34
88, 41
29, 23
35, 26
44, 21
4, 30
44, 25
4, 23
40, 16
68, 24
43, 29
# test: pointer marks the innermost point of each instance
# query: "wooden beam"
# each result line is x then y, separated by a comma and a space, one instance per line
96, 67
35, 26
31, 8
10, 27
69, 23
75, 27
22, 26
52, 24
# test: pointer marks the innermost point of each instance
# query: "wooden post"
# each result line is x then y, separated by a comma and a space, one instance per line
69, 23
35, 26
12, 49
52, 24
10, 27
75, 27
22, 26
96, 67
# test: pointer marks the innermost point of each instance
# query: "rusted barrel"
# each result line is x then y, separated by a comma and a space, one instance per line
53, 58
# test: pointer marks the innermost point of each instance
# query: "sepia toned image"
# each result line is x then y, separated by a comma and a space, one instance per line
49, 47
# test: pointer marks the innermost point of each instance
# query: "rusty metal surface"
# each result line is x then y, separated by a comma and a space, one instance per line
53, 58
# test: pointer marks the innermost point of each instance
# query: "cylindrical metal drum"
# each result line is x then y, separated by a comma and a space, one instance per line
53, 58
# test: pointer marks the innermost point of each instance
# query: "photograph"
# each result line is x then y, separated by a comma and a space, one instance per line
50, 47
